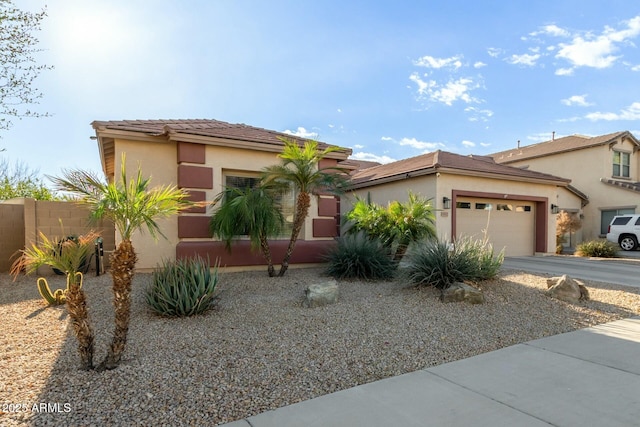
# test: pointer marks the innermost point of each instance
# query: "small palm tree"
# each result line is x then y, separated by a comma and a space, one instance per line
397, 226
132, 206
251, 212
69, 256
299, 170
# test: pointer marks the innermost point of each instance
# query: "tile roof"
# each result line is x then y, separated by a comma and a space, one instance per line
201, 127
445, 161
632, 186
559, 145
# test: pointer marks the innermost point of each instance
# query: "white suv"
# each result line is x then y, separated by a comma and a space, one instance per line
625, 231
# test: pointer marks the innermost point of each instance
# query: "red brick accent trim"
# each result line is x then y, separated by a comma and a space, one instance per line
193, 226
324, 227
541, 212
196, 196
327, 206
191, 153
241, 254
195, 177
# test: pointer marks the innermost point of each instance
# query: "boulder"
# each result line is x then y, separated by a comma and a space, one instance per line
320, 294
462, 292
567, 289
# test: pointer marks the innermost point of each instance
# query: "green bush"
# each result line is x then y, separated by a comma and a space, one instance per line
440, 264
597, 248
358, 256
183, 287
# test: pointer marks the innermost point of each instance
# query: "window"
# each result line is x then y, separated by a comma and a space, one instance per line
607, 216
523, 208
463, 205
285, 201
502, 207
621, 164
484, 206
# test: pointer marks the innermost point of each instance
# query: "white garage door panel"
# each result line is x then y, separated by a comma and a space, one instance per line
509, 224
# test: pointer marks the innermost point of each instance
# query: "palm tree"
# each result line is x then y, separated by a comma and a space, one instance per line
132, 206
69, 256
248, 211
397, 226
299, 170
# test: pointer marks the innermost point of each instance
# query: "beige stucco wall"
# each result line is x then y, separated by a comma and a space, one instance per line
585, 168
158, 161
437, 187
11, 233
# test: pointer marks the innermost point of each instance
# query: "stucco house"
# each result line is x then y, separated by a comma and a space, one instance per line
204, 156
606, 169
474, 194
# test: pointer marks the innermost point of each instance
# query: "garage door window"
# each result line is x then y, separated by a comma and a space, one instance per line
523, 208
484, 206
502, 207
463, 205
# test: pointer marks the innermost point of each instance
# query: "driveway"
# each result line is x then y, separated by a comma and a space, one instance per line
616, 270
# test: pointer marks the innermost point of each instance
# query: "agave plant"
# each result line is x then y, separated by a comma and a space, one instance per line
67, 256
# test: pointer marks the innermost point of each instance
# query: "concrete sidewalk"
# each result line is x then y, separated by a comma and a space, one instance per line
589, 377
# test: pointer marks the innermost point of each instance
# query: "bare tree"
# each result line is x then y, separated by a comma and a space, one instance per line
18, 67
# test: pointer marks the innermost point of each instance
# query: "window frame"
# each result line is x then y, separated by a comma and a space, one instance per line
622, 167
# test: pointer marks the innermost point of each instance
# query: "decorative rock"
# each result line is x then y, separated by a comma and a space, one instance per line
320, 294
567, 289
462, 292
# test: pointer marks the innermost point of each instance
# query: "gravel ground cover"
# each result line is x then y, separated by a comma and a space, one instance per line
260, 349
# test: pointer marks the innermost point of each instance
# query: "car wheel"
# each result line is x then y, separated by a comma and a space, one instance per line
628, 243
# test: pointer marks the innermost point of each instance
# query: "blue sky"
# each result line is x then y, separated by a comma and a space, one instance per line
390, 79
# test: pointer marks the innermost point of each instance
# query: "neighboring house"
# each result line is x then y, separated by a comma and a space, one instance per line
204, 156
605, 168
475, 196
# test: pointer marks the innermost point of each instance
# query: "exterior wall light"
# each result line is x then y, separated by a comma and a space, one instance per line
555, 209
446, 202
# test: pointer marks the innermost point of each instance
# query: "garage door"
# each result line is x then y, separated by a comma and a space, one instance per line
509, 224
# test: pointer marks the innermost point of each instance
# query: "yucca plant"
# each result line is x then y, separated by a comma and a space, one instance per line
67, 256
442, 263
184, 287
358, 256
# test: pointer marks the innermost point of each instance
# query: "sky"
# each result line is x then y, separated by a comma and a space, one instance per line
389, 79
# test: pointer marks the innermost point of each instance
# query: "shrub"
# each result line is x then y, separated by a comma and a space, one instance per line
183, 287
597, 248
358, 256
439, 264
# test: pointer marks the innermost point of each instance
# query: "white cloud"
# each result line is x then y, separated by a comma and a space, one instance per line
579, 100
478, 114
494, 52
598, 51
468, 144
630, 113
564, 72
420, 145
485, 144
479, 64
339, 110
370, 157
524, 59
431, 62
386, 138
452, 91
302, 133
635, 68
358, 146
552, 30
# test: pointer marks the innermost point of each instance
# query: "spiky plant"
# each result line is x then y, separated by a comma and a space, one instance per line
299, 170
251, 212
68, 256
132, 206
